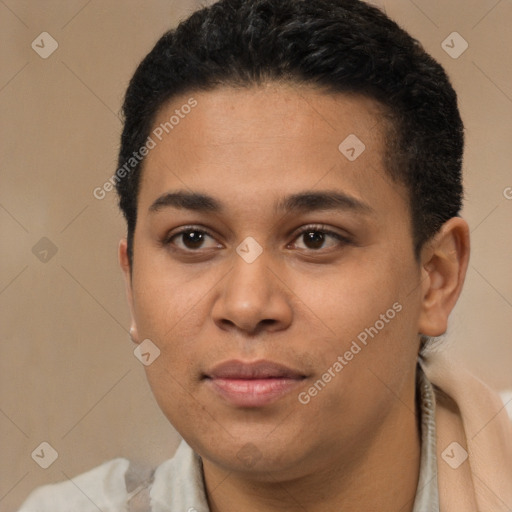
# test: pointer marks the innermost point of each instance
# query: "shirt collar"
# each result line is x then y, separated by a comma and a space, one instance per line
427, 495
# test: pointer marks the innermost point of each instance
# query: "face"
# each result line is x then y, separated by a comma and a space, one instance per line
285, 304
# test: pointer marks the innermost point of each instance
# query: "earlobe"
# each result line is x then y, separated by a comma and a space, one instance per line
134, 335
444, 263
124, 262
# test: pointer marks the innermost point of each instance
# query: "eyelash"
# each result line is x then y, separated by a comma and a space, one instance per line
315, 228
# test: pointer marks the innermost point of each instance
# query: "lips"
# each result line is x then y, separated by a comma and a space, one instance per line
256, 370
252, 384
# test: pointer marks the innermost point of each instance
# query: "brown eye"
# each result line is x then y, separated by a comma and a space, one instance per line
314, 238
192, 239
189, 239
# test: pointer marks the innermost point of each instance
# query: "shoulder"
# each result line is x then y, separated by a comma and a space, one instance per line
101, 488
176, 484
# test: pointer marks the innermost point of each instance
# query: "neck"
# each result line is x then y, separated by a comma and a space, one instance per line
382, 476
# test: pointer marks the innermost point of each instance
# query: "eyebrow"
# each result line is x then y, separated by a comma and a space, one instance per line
302, 202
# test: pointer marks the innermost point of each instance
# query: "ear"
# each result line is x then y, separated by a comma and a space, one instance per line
124, 262
444, 261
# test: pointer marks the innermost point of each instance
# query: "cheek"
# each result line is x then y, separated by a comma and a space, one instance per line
368, 313
351, 296
176, 395
167, 299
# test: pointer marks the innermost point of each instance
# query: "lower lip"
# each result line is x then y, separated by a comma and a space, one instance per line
253, 392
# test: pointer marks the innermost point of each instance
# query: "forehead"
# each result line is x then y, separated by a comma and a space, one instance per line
254, 145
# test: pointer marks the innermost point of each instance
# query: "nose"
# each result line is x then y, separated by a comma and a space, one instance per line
253, 298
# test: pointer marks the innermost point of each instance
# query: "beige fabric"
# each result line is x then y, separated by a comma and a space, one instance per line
469, 413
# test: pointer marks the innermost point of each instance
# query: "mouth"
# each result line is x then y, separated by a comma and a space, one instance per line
254, 384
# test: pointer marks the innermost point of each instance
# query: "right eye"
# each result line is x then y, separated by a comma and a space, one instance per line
191, 239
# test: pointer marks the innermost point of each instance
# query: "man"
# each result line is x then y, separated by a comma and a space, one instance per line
290, 173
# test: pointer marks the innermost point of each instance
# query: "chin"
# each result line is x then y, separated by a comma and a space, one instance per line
257, 455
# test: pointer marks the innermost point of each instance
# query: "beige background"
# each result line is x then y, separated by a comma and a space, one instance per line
68, 375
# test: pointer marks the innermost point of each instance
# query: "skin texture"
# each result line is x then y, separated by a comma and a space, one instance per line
301, 303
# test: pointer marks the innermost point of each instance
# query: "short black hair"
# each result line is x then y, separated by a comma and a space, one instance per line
341, 46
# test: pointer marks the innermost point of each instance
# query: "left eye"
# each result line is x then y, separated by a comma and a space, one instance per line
315, 237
